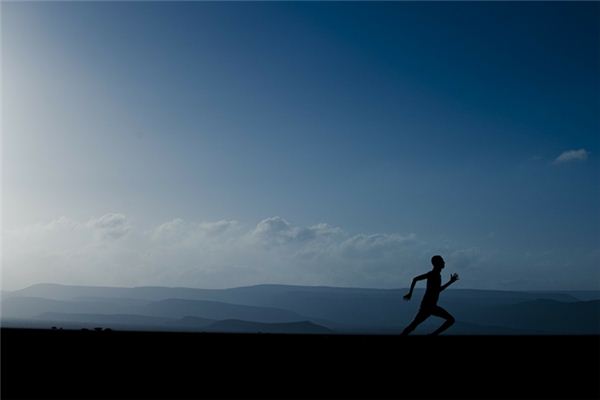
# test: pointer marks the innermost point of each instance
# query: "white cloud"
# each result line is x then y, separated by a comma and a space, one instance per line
174, 229
274, 230
572, 155
375, 245
219, 227
178, 230
278, 231
112, 226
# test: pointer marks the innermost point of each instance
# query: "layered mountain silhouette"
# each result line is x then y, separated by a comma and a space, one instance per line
180, 308
297, 309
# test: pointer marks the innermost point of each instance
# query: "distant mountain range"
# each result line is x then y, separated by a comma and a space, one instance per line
297, 309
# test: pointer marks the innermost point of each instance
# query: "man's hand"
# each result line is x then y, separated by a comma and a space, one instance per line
453, 277
407, 296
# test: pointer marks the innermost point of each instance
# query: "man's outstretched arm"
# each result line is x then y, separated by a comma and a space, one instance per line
453, 278
412, 285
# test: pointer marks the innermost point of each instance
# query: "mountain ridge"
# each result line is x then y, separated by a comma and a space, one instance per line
343, 310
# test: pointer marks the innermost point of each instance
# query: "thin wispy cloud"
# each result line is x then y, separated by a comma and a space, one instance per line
572, 155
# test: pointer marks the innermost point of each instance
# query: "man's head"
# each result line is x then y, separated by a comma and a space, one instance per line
438, 262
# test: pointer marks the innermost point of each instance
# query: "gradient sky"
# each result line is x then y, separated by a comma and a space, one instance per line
224, 144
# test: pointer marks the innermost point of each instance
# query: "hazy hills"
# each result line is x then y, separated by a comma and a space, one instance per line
298, 309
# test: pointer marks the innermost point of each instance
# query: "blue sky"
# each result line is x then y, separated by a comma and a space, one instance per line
409, 129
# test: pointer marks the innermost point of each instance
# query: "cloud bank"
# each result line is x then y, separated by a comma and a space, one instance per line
110, 250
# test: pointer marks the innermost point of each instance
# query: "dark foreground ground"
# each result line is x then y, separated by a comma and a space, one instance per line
79, 364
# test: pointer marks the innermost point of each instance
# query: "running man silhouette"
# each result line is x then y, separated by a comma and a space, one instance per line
429, 305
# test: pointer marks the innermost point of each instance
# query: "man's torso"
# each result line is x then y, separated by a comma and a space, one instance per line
432, 293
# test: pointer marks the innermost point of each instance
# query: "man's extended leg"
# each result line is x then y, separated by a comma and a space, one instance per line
421, 316
440, 312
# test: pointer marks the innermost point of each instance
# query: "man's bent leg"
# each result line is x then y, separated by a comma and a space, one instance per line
440, 312
421, 316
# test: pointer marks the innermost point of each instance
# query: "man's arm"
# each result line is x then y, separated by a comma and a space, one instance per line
414, 282
453, 278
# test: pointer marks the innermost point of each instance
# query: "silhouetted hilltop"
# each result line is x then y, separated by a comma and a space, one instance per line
235, 325
179, 308
196, 322
31, 307
468, 328
582, 317
108, 319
